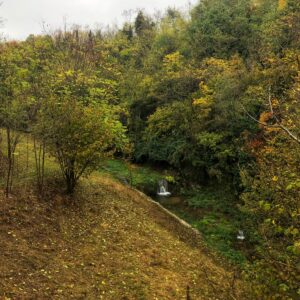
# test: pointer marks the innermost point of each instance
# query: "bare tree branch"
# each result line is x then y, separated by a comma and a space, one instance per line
277, 125
291, 135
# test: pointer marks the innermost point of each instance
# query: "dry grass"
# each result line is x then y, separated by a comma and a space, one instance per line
109, 242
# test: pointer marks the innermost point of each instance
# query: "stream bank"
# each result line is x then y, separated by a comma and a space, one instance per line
211, 210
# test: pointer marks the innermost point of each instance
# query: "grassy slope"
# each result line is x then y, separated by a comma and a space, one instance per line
111, 244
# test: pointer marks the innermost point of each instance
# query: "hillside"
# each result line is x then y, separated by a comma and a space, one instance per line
110, 242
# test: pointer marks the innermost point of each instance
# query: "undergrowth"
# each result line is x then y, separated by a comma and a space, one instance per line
213, 211
142, 178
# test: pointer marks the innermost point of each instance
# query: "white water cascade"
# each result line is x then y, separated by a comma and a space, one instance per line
163, 188
241, 235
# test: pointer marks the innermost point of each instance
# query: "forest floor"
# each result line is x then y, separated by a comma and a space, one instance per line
109, 242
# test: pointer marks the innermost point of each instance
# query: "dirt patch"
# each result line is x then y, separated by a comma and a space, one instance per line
111, 244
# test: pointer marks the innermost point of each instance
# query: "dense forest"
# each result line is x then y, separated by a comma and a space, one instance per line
212, 94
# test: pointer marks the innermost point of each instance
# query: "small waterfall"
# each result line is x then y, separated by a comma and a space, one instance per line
241, 235
163, 188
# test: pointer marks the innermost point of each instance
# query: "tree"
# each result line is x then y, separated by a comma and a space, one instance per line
78, 122
13, 104
79, 136
224, 28
271, 200
142, 23
272, 183
40, 58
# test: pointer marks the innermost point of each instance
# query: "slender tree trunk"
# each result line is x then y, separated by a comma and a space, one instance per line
39, 155
1, 154
36, 161
12, 142
43, 164
12, 168
27, 153
188, 296
9, 158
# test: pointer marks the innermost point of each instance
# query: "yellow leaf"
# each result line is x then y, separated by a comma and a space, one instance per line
281, 4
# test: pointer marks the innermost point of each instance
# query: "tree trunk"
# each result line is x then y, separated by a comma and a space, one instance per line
71, 183
9, 159
70, 176
39, 154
